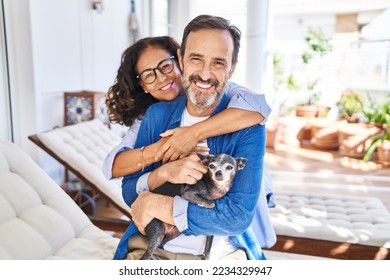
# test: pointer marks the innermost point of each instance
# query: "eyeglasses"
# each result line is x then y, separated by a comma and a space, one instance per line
165, 66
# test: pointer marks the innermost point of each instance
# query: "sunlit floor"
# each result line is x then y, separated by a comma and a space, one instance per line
307, 169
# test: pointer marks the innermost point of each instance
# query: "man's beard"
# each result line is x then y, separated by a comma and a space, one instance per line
200, 98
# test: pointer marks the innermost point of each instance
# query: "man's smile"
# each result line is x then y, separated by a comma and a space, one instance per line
203, 85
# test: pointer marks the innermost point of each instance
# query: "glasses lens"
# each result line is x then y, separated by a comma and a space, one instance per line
165, 66
148, 76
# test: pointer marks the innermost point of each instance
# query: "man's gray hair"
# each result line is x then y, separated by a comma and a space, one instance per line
213, 22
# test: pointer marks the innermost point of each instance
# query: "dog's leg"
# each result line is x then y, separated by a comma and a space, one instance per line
169, 189
207, 248
155, 235
170, 232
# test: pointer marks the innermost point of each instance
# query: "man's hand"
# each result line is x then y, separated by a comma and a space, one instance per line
181, 142
148, 206
188, 170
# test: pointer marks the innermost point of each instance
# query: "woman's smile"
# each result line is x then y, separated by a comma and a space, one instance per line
167, 86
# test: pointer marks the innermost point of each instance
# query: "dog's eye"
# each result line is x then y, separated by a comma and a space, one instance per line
229, 167
211, 166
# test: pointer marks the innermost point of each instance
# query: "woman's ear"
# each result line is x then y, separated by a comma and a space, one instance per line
143, 87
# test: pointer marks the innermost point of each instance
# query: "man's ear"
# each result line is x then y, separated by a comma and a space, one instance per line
180, 59
231, 72
241, 162
204, 159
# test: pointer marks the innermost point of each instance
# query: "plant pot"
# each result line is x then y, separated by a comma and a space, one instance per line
326, 138
272, 136
352, 119
383, 153
306, 111
324, 133
289, 129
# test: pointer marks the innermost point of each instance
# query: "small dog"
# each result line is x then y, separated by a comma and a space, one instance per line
214, 185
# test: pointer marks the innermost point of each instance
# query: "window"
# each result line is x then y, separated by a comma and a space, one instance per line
159, 16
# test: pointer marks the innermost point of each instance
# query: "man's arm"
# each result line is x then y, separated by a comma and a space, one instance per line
234, 212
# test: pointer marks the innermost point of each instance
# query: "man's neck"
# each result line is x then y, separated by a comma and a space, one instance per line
200, 112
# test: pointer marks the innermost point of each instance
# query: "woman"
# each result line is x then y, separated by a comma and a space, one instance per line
148, 74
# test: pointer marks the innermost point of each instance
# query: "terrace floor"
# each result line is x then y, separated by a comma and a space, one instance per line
307, 169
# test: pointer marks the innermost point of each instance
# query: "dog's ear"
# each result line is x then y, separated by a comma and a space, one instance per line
241, 162
204, 159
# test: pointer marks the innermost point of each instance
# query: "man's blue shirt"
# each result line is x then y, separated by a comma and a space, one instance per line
232, 214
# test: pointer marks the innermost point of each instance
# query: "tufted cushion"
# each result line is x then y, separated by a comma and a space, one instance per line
38, 220
361, 220
84, 146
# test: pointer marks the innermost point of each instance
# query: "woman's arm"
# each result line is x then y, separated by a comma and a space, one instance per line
133, 160
124, 159
246, 108
183, 140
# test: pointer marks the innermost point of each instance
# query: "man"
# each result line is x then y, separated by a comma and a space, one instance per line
207, 58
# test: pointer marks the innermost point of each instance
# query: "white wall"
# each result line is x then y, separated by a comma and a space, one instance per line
17, 16
58, 46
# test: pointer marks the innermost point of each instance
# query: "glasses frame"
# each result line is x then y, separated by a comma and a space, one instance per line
157, 68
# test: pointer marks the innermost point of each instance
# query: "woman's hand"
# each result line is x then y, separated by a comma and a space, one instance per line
187, 170
181, 142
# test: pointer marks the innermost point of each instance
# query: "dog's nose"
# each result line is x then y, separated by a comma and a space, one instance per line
218, 173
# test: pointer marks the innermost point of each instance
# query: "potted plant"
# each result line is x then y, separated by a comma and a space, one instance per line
350, 106
309, 108
377, 111
282, 100
380, 115
381, 144
317, 45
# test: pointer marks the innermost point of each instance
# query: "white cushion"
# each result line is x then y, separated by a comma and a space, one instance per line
38, 220
361, 220
84, 147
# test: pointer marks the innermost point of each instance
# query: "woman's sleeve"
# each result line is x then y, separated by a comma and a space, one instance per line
127, 143
245, 99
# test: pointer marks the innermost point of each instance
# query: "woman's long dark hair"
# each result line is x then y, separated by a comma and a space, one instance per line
126, 100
